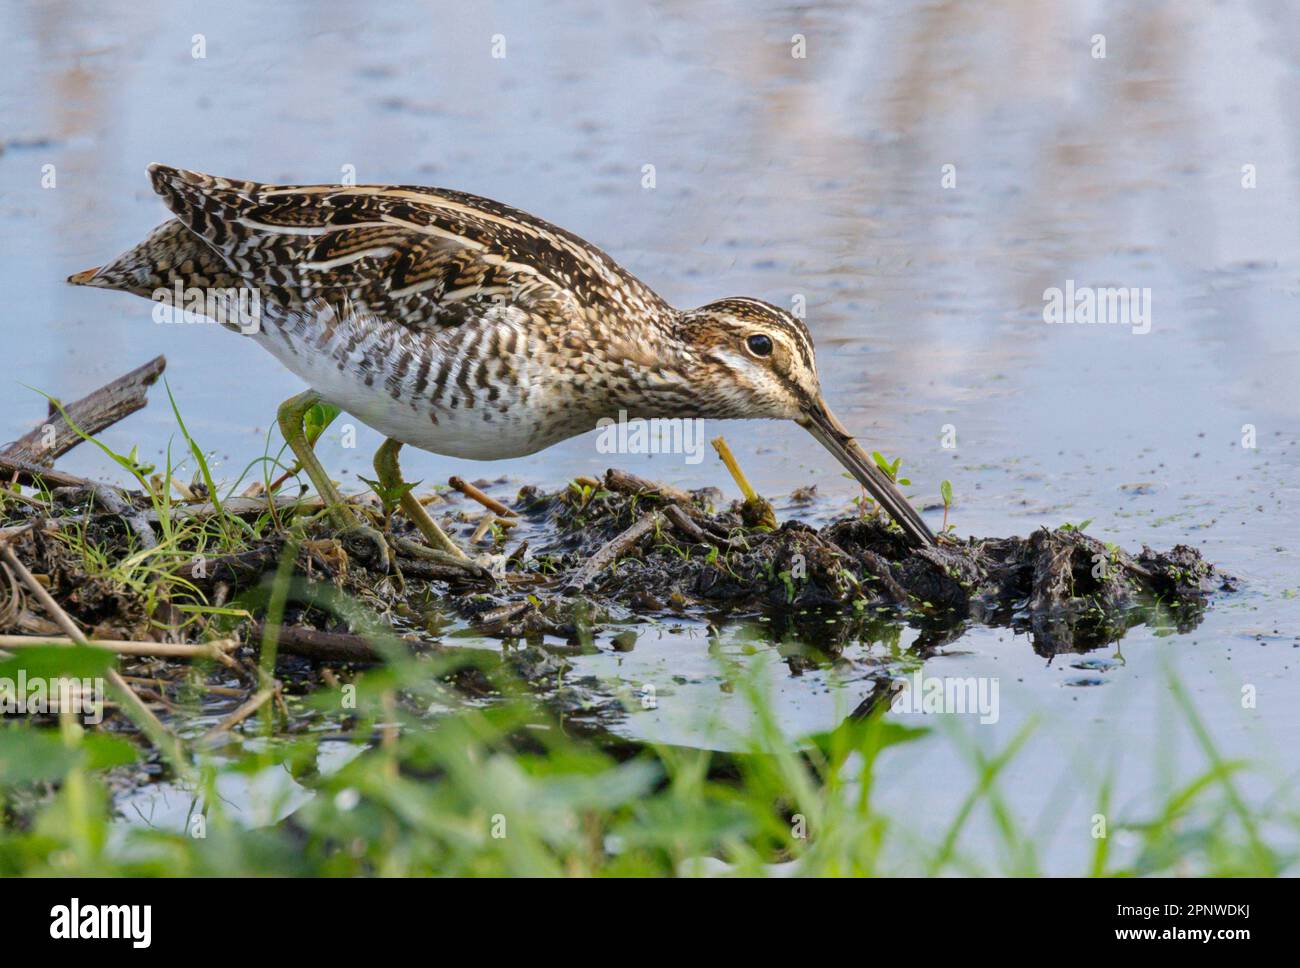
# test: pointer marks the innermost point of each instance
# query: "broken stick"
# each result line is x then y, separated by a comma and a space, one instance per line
612, 550
92, 413
208, 650
470, 491
243, 712
625, 483
25, 472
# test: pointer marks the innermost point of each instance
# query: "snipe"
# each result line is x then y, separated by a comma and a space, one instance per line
469, 328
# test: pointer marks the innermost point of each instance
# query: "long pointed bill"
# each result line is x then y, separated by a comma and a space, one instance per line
821, 423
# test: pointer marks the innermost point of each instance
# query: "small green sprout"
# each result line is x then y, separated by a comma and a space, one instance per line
890, 469
390, 497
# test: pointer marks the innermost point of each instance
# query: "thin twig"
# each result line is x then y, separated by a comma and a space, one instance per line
243, 712
26, 472
416, 550
183, 490
207, 650
613, 549
470, 491
238, 505
151, 724
41, 524
159, 684
484, 523
682, 521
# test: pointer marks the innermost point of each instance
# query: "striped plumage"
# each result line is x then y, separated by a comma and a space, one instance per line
466, 327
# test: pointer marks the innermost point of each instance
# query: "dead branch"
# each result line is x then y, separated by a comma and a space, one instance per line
320, 646
25, 472
687, 526
625, 483
92, 413
243, 712
207, 650
612, 550
470, 491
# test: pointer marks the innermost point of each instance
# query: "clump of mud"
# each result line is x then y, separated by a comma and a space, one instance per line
614, 550
592, 559
1070, 590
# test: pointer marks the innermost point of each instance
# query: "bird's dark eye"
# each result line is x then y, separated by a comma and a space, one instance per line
760, 344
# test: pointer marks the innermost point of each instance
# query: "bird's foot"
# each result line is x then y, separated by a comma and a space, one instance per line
367, 544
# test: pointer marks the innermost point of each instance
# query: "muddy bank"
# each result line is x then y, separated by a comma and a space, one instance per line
677, 552
191, 595
587, 554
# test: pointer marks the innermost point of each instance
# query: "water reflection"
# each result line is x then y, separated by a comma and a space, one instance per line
776, 176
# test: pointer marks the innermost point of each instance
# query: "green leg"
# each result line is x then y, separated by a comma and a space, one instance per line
390, 475
291, 416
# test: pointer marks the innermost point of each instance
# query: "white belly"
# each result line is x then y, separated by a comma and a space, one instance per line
522, 421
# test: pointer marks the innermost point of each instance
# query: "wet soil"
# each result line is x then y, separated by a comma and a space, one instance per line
594, 555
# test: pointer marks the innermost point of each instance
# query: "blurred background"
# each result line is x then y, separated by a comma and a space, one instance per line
1169, 164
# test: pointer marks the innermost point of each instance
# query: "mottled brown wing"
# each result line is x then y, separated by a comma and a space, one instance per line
421, 257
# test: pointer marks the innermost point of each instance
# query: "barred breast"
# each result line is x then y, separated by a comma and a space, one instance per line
480, 391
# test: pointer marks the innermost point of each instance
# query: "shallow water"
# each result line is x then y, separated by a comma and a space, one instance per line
779, 177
